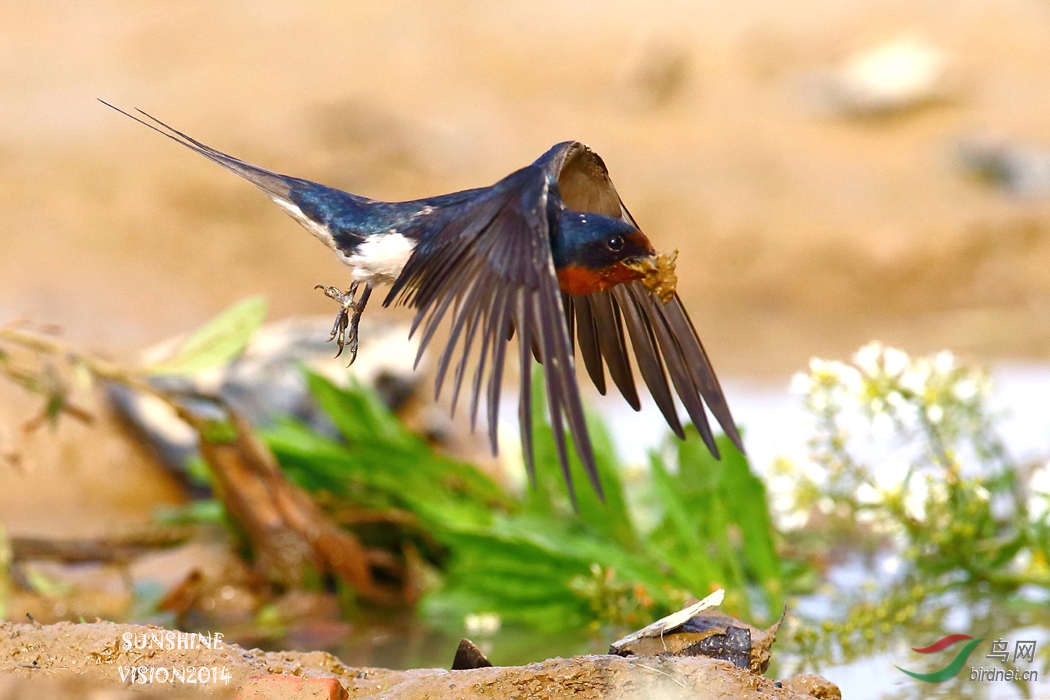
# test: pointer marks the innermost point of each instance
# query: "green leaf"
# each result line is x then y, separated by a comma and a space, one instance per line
381, 463
358, 413
611, 518
219, 432
6, 587
526, 561
683, 543
521, 567
209, 510
715, 528
45, 585
56, 403
744, 496
220, 340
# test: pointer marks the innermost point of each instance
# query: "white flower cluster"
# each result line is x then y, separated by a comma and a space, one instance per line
884, 381
1039, 493
482, 624
882, 406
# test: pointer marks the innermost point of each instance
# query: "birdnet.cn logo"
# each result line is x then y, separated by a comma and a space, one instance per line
1023, 650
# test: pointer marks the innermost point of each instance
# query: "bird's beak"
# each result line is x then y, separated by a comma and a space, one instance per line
645, 264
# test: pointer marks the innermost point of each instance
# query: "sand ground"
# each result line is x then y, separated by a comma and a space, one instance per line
800, 232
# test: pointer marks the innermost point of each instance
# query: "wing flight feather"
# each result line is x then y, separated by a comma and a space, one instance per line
488, 265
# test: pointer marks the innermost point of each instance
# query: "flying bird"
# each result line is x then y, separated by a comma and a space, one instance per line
547, 253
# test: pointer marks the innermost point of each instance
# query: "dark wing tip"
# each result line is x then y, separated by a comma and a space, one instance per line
663, 337
705, 380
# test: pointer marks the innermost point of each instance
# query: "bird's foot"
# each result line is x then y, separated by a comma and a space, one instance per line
344, 331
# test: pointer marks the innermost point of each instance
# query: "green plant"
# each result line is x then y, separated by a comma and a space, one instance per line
522, 558
529, 559
905, 460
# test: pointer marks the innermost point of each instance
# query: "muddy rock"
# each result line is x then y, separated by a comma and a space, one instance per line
106, 660
278, 687
810, 685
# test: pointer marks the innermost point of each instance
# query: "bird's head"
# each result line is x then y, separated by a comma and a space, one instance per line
593, 253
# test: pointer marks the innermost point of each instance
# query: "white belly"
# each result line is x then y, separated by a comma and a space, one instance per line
380, 258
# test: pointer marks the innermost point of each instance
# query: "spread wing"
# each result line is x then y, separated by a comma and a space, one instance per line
662, 337
487, 264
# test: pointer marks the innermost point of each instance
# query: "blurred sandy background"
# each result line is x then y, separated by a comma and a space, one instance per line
802, 231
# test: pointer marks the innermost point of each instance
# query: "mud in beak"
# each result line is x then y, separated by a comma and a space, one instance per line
658, 275
645, 264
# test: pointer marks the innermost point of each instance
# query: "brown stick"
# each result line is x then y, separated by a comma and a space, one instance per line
288, 530
114, 549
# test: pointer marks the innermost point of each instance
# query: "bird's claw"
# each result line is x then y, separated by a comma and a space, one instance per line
344, 330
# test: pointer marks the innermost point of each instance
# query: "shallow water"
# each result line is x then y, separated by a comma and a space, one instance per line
776, 425
775, 422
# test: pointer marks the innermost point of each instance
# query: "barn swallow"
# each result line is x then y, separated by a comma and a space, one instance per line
546, 253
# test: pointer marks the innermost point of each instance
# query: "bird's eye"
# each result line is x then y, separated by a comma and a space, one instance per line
615, 244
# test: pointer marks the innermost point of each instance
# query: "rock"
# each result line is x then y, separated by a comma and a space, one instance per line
266, 382
469, 656
898, 75
278, 687
1018, 169
712, 634
813, 686
700, 630
51, 660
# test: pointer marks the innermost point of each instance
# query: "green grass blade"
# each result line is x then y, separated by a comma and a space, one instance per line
218, 341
